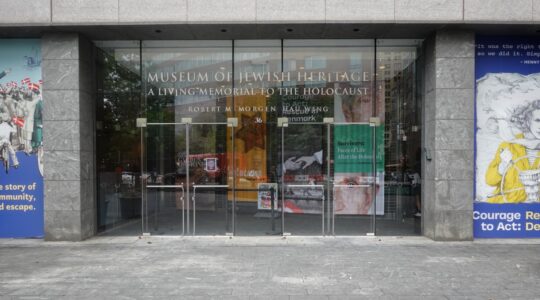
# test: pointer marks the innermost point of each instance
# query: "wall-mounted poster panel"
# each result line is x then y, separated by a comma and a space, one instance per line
21, 142
354, 192
507, 203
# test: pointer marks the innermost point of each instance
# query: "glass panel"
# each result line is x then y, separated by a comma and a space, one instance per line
186, 86
397, 79
213, 132
164, 192
208, 172
330, 79
358, 179
305, 173
256, 139
117, 140
186, 79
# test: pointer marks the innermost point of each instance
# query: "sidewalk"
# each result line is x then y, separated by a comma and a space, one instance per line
269, 268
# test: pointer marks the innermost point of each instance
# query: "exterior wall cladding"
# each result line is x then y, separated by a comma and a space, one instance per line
66, 28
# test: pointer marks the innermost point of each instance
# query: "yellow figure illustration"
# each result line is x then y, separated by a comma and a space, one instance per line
515, 169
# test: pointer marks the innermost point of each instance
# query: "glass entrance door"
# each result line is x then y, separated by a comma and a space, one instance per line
185, 173
164, 204
209, 178
208, 170
330, 177
357, 190
254, 187
329, 102
304, 176
255, 143
213, 148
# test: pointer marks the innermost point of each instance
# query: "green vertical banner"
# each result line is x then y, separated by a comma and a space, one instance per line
353, 148
353, 167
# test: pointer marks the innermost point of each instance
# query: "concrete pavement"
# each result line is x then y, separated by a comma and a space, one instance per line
269, 268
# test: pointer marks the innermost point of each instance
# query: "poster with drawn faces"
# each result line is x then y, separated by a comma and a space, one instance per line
507, 139
357, 190
21, 138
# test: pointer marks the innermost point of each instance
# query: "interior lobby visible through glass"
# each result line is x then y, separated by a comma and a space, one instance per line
259, 137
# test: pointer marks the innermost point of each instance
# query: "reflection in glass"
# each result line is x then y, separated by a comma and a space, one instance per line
332, 170
254, 147
182, 81
118, 147
397, 67
335, 81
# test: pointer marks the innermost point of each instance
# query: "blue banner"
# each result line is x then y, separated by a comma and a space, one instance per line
506, 220
507, 137
21, 139
21, 199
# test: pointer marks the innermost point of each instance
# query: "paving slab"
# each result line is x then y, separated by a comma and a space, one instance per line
269, 268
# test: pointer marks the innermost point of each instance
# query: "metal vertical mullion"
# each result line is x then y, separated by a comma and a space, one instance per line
142, 107
282, 181
183, 212
233, 152
142, 183
227, 197
333, 213
187, 178
374, 176
233, 185
146, 226
194, 209
328, 178
373, 141
282, 152
322, 212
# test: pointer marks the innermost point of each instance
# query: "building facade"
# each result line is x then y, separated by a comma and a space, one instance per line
336, 117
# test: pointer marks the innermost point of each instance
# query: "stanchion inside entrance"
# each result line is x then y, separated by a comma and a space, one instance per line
272, 209
273, 215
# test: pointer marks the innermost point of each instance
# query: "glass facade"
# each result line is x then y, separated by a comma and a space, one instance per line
119, 103
259, 137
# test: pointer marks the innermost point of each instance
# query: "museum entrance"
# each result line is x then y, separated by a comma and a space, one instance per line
214, 179
329, 181
259, 138
218, 178
184, 179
